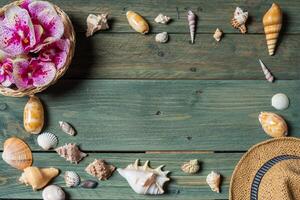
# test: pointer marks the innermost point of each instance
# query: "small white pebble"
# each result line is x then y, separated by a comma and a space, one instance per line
280, 101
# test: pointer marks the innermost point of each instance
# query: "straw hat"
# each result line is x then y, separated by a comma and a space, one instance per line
268, 171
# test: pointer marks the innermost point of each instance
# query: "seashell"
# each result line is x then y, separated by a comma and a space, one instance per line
280, 101
192, 24
273, 124
218, 35
137, 22
53, 192
162, 19
143, 179
162, 37
239, 20
89, 184
71, 153
213, 180
67, 128
72, 179
33, 115
100, 169
96, 23
266, 72
47, 140
17, 153
191, 167
38, 177
272, 21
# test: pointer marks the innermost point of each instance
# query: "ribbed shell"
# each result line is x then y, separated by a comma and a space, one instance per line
47, 140
72, 179
17, 153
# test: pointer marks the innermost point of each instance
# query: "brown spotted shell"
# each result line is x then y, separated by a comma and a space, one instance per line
273, 124
33, 115
17, 153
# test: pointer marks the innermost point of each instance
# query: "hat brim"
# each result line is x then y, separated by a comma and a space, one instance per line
252, 161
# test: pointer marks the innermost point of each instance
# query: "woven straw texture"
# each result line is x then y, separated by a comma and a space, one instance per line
69, 33
275, 184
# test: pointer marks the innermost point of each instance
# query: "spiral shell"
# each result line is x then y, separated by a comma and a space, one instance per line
96, 23
191, 167
71, 153
273, 124
218, 34
213, 180
47, 140
53, 192
192, 24
266, 71
72, 179
100, 169
33, 117
162, 19
239, 20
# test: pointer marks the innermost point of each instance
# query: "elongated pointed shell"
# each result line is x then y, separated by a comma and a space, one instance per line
100, 169
213, 180
38, 178
67, 128
272, 21
53, 192
144, 179
191, 167
72, 179
33, 115
137, 22
192, 24
47, 140
273, 124
71, 153
266, 72
17, 153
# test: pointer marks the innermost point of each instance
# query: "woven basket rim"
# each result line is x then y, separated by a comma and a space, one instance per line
69, 34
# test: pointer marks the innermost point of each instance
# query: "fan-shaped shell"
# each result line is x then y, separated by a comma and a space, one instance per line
72, 179
47, 140
53, 192
17, 153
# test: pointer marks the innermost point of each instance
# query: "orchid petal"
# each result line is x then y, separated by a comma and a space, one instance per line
20, 77
45, 75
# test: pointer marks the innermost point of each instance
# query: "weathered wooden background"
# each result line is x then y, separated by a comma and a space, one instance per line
130, 97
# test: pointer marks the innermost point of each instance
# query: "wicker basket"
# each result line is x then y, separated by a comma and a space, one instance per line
69, 33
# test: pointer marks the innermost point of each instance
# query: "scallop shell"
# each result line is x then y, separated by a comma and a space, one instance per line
280, 101
239, 20
38, 178
67, 128
213, 180
266, 72
33, 117
218, 35
192, 24
162, 37
143, 179
162, 19
137, 22
47, 140
96, 23
72, 179
100, 169
273, 124
89, 184
191, 167
53, 192
17, 153
71, 153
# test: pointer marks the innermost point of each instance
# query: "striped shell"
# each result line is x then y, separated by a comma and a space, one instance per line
72, 179
47, 140
17, 153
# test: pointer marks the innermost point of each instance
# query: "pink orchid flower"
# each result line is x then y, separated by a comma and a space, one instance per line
33, 73
6, 69
16, 31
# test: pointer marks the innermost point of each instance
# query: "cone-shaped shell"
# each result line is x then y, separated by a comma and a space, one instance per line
273, 124
213, 180
16, 153
33, 115
137, 22
38, 178
272, 21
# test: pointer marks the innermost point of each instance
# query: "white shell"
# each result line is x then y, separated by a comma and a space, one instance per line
53, 192
240, 15
266, 71
67, 128
213, 180
143, 179
96, 23
218, 35
280, 101
47, 140
191, 167
162, 37
72, 179
163, 19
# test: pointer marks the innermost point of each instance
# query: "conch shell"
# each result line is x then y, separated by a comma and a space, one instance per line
100, 169
71, 153
239, 20
273, 124
218, 35
191, 167
137, 22
38, 178
162, 19
213, 180
17, 153
192, 24
143, 179
67, 128
96, 23
33, 115
266, 72
272, 21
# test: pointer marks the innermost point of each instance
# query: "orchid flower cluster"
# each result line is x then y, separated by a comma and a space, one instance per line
32, 45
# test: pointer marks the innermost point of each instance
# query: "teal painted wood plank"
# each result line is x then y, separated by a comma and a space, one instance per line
212, 13
182, 186
140, 115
